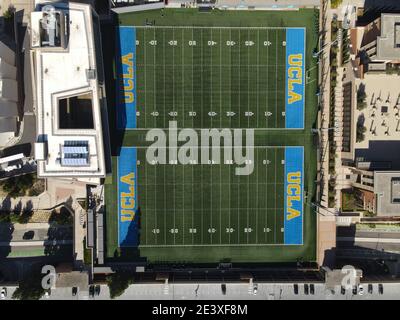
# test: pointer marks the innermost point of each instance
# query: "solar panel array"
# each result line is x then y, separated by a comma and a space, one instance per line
75, 153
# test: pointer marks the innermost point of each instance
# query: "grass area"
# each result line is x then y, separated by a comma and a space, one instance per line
270, 138
24, 185
190, 75
87, 254
348, 201
210, 205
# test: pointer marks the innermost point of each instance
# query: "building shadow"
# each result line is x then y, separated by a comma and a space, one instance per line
377, 152
111, 52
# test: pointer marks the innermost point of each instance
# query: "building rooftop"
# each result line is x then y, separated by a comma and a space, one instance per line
67, 92
388, 47
387, 190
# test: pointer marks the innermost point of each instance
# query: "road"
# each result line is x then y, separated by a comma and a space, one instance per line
234, 291
32, 233
388, 241
259, 3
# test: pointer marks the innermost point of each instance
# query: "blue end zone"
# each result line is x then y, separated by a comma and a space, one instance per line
293, 221
128, 220
126, 77
295, 75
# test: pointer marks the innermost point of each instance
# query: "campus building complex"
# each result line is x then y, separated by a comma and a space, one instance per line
68, 99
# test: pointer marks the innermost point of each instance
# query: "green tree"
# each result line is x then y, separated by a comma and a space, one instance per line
30, 288
118, 283
336, 3
360, 134
17, 186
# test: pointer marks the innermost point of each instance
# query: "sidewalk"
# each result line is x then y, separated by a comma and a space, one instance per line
35, 243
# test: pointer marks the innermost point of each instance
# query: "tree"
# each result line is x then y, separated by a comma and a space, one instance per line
360, 135
361, 98
17, 186
336, 3
118, 283
30, 288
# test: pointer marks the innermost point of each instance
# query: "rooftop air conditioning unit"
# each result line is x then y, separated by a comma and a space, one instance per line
49, 28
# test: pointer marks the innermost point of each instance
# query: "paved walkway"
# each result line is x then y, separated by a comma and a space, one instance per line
338, 135
325, 27
34, 243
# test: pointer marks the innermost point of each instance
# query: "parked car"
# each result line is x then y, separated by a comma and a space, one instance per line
306, 289
29, 235
91, 291
380, 288
47, 293
97, 290
296, 288
255, 289
355, 290
360, 289
370, 288
3, 293
223, 288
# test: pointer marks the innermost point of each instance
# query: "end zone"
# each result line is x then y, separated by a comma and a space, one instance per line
126, 77
128, 220
294, 183
295, 73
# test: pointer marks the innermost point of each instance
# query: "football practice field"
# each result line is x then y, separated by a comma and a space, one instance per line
212, 77
205, 76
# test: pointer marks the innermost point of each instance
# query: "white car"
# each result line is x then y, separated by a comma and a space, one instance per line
255, 289
360, 290
3, 293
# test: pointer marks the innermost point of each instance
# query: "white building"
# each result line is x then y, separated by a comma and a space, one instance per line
8, 96
69, 127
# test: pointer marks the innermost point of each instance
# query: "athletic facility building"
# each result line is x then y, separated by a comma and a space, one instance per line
226, 70
66, 68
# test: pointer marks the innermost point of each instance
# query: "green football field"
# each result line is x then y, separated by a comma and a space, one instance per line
214, 70
197, 205
211, 77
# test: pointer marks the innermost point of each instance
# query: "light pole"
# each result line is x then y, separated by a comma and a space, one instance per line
316, 54
322, 129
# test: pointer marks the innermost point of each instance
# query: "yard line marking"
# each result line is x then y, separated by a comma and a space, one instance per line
257, 201
192, 126
258, 77
145, 117
207, 27
165, 212
266, 198
275, 200
201, 168
230, 125
248, 124
276, 83
218, 245
145, 77
267, 80
183, 112
164, 117
211, 87
220, 123
173, 109
211, 175
239, 78
248, 78
198, 65
155, 125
